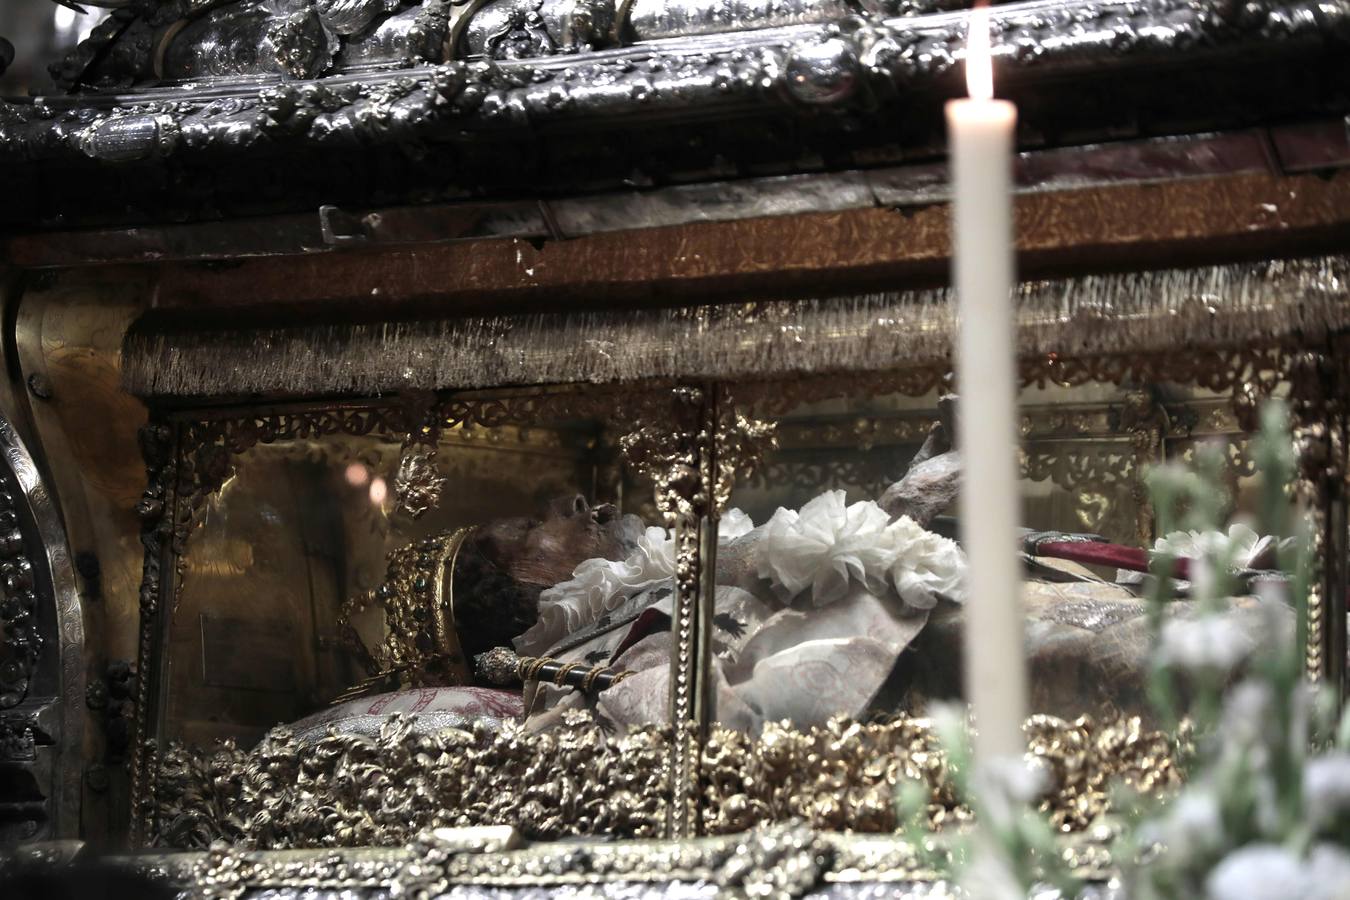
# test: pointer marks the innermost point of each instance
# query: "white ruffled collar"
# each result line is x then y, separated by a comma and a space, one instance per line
829, 545
598, 586
825, 547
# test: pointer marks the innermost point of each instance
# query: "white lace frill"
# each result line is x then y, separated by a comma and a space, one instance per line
1242, 544
600, 585
825, 547
829, 545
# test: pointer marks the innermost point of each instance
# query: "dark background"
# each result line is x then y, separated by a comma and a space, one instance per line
41, 32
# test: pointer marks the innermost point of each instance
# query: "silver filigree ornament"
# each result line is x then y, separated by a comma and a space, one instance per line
303, 43
419, 483
348, 17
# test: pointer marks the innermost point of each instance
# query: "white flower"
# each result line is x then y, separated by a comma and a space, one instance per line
1259, 872
1209, 643
990, 876
1326, 788
926, 565
1246, 712
1248, 740
1266, 801
1006, 786
825, 547
951, 724
830, 545
1244, 751
1191, 826
733, 524
1244, 544
1329, 873
1247, 745
1270, 872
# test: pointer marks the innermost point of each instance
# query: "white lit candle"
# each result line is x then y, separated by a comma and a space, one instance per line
980, 130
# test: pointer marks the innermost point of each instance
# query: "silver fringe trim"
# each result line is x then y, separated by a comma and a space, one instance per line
1160, 311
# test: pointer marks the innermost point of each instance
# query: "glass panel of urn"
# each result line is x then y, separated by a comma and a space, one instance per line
309, 593
336, 580
839, 572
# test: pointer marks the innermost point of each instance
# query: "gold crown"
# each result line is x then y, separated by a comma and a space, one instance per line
421, 645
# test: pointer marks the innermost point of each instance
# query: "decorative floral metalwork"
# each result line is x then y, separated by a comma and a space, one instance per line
777, 862
742, 443
868, 474
158, 446
803, 64
682, 462
42, 660
17, 741
302, 43
1097, 452
22, 640
1317, 384
418, 483
522, 34
349, 790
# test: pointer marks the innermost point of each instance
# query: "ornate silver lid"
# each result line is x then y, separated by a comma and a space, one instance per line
184, 41
380, 101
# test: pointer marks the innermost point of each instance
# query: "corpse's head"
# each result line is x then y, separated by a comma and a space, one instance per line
544, 551
508, 562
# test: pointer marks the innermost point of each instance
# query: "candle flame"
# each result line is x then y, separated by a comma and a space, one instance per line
979, 56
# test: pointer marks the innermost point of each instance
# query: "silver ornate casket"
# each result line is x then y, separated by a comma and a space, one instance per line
260, 255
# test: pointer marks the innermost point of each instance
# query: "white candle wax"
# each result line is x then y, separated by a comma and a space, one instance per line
980, 131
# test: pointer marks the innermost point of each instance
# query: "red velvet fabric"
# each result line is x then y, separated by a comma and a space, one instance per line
1102, 554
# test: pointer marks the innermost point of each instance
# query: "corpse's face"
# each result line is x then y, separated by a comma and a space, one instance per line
545, 551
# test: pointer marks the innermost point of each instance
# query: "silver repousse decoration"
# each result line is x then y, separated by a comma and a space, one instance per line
418, 483
352, 790
694, 69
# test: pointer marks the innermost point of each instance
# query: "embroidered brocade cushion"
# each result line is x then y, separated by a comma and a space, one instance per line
435, 708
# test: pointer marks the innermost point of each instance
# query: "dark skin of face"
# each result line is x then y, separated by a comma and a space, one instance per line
544, 551
498, 577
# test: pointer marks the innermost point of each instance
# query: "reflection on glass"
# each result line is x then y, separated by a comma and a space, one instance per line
41, 32
311, 588
846, 600
523, 574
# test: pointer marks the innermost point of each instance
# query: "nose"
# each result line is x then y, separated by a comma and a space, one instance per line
605, 512
563, 507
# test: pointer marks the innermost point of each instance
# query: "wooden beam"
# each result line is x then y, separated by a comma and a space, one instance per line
819, 254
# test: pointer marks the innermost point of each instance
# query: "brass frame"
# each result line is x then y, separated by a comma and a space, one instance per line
696, 457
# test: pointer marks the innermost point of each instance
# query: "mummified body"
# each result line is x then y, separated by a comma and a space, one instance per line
811, 607
813, 610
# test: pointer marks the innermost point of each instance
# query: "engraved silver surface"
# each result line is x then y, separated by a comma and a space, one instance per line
230, 41
522, 29
647, 20
41, 600
559, 62
371, 725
